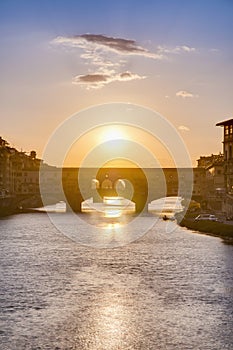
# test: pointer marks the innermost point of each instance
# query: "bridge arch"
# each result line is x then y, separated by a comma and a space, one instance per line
129, 183
107, 184
141, 186
95, 184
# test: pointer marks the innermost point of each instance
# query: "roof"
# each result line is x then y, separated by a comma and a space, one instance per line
225, 122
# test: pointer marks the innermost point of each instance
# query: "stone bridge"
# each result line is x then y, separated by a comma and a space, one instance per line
142, 186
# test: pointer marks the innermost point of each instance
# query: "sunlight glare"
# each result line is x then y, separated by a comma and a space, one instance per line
110, 133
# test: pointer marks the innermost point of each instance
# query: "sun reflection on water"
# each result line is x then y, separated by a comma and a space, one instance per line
111, 324
112, 213
114, 322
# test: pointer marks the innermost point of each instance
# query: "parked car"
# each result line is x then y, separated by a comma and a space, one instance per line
207, 217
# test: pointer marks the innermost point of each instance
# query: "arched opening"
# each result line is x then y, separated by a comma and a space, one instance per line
120, 185
107, 184
95, 184
166, 206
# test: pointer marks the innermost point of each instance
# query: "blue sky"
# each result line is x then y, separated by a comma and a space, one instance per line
48, 70
206, 22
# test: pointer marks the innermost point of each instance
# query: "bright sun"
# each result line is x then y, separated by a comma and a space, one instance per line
110, 133
115, 132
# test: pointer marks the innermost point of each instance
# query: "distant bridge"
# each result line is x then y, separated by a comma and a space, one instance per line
142, 186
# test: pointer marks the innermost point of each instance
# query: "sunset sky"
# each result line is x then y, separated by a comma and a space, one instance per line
60, 57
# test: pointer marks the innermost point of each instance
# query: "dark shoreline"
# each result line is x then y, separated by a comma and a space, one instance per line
8, 206
210, 228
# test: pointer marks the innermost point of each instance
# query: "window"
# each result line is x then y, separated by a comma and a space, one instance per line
106, 184
231, 129
226, 130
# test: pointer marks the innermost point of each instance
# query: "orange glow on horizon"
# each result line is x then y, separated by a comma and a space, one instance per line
104, 134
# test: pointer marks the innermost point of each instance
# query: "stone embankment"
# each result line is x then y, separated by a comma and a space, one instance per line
222, 230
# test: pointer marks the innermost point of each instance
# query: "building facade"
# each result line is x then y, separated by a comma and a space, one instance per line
228, 166
19, 172
228, 153
213, 166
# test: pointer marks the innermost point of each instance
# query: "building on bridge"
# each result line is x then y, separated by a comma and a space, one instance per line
24, 175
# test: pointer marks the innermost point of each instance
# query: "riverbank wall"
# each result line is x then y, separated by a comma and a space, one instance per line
8, 206
217, 229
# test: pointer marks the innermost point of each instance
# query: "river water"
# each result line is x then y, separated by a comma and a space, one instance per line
168, 289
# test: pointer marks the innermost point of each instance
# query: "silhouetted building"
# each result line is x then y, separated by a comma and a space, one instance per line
214, 179
6, 171
228, 153
19, 172
199, 184
206, 161
228, 165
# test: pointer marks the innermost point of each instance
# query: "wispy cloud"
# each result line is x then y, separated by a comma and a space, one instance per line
175, 50
183, 128
185, 94
90, 42
107, 57
214, 50
97, 80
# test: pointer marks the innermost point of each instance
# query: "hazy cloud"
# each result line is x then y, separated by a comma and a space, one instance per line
106, 57
101, 53
97, 80
120, 46
175, 50
185, 94
183, 128
214, 50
